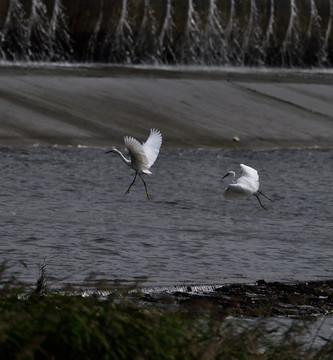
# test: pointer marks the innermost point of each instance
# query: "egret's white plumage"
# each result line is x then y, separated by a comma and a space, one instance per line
142, 155
247, 184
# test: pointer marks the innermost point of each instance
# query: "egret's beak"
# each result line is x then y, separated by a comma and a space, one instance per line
108, 151
225, 176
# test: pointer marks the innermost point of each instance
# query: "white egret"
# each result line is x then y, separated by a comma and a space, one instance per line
142, 156
247, 184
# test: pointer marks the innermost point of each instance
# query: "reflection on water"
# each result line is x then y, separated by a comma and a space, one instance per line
68, 206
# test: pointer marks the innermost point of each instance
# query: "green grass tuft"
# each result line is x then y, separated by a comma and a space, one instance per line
46, 325
72, 327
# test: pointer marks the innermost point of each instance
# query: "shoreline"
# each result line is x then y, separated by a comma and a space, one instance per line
301, 299
227, 145
259, 299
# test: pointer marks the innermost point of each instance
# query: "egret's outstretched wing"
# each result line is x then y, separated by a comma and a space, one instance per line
152, 146
249, 172
138, 155
249, 176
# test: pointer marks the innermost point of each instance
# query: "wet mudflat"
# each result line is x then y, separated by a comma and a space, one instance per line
261, 299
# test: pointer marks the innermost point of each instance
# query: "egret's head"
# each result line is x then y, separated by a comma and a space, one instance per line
230, 174
113, 149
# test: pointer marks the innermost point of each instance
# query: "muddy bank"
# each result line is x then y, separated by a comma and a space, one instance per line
262, 299
191, 109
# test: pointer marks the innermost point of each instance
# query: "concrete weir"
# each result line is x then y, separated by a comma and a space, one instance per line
210, 32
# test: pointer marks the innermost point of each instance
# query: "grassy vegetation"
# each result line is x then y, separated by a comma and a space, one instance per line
45, 325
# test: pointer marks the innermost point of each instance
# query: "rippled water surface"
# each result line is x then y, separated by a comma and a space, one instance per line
68, 206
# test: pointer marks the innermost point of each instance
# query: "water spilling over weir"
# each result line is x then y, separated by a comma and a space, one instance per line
202, 32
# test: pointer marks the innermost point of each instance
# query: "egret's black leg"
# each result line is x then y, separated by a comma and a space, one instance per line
127, 191
148, 196
261, 204
265, 196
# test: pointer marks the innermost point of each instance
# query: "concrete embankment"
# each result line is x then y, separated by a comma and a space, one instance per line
99, 107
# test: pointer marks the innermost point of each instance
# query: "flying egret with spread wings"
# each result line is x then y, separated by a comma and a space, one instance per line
247, 184
142, 156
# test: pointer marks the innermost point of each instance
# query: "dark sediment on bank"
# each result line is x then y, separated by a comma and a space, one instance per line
263, 299
191, 109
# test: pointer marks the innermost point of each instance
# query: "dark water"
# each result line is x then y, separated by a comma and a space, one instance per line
68, 206
281, 33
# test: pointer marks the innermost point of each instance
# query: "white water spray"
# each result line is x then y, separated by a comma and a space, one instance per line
93, 39
166, 37
119, 45
327, 35
209, 32
212, 39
